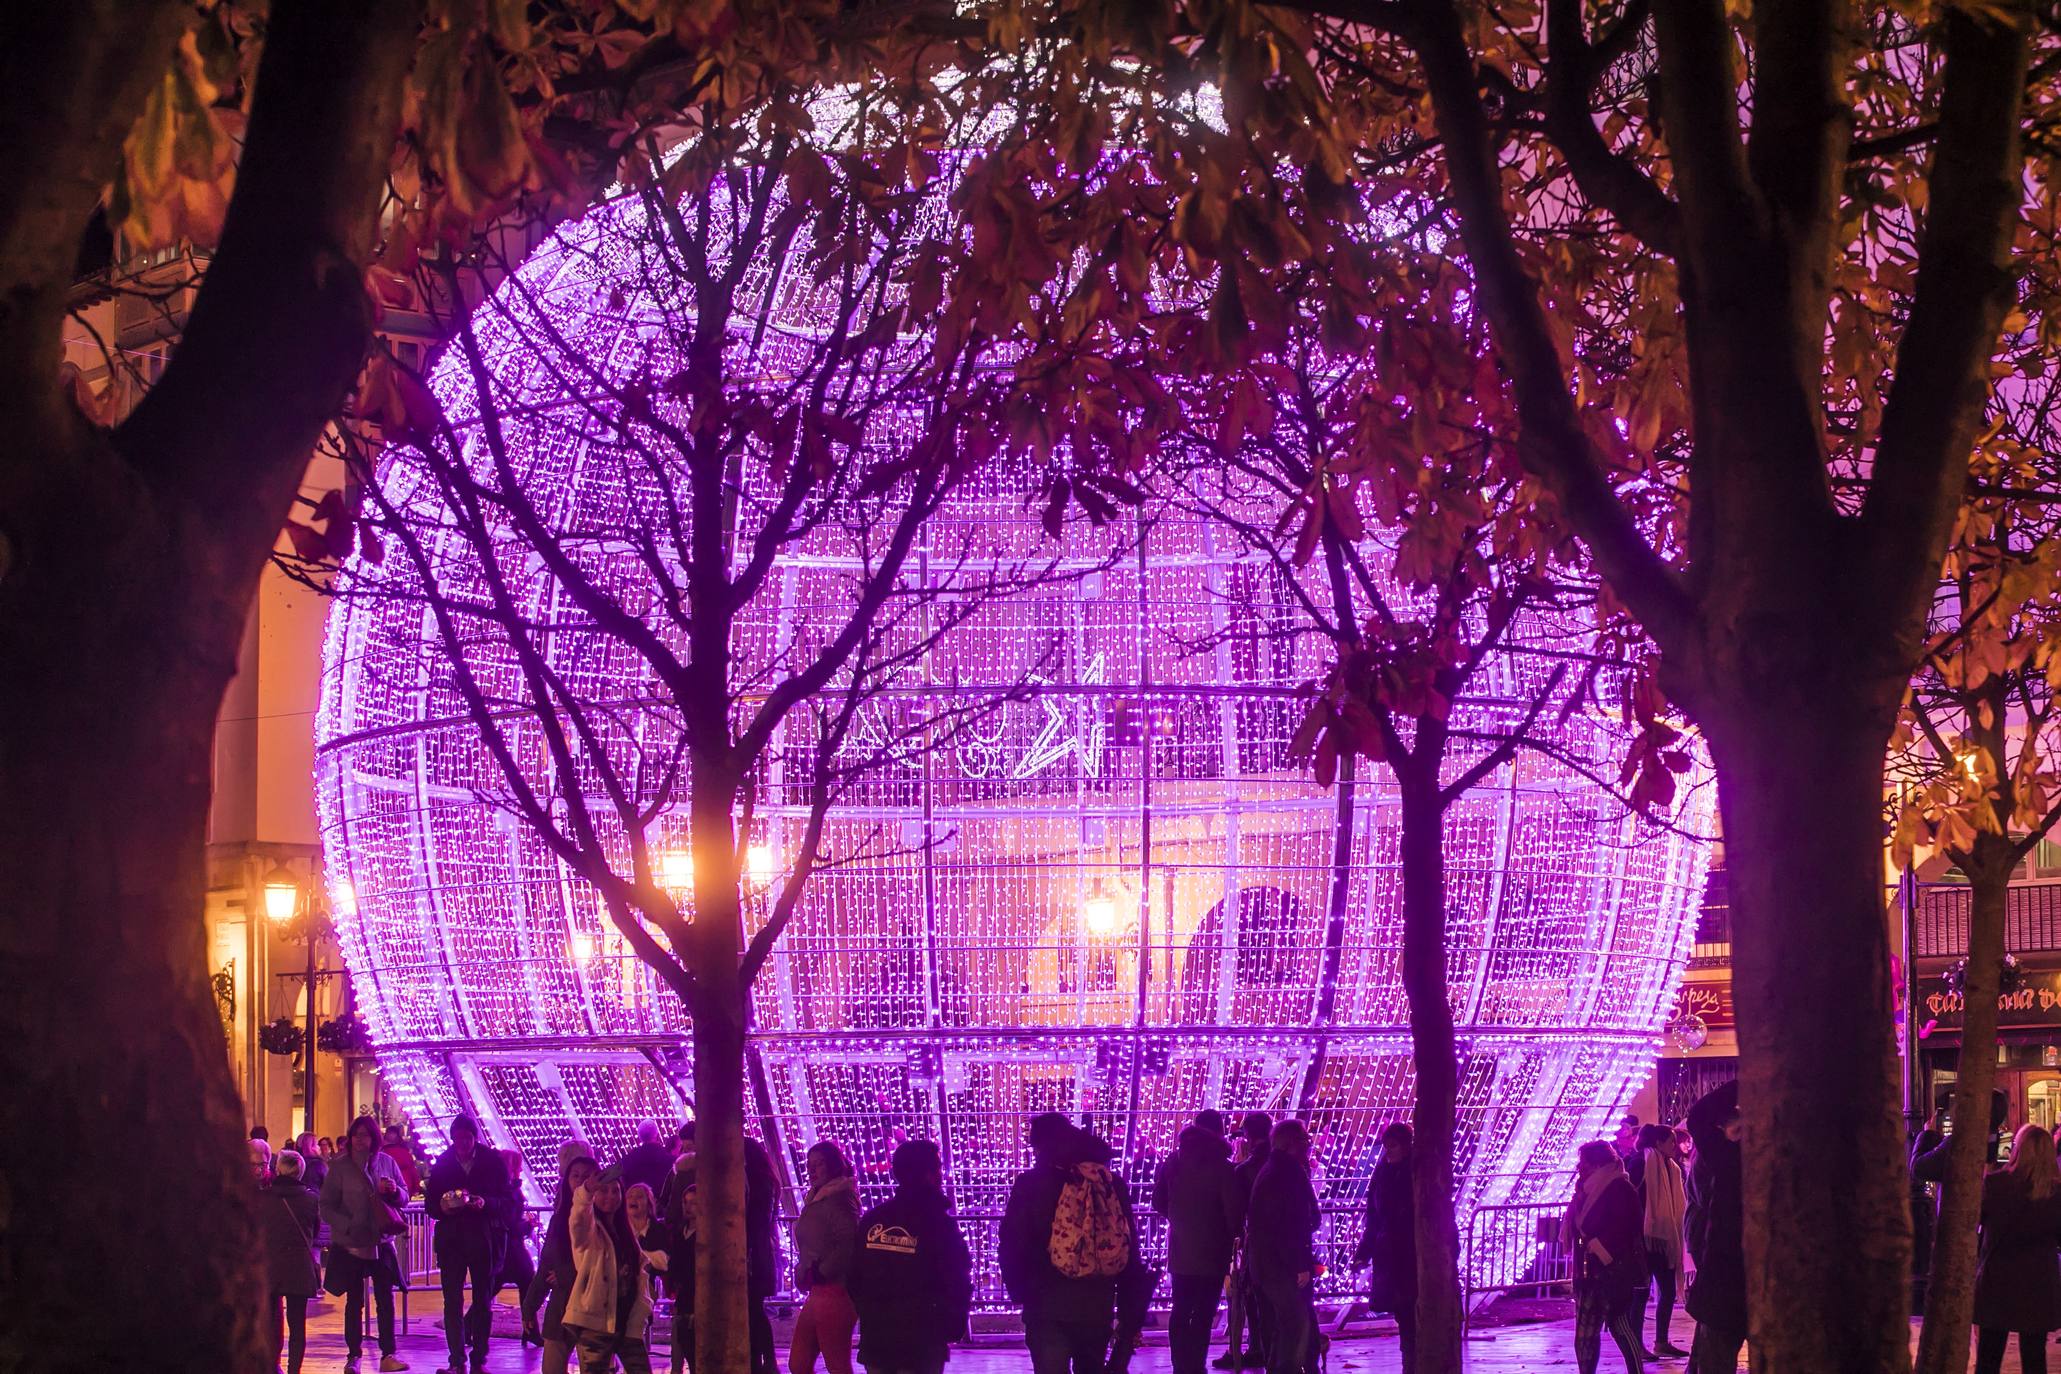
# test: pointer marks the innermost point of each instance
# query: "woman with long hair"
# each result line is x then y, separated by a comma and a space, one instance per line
826, 1244
362, 1187
1605, 1231
1664, 1192
544, 1303
2018, 1273
610, 1304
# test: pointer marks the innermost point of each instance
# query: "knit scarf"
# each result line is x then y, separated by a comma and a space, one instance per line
1666, 1203
1585, 1194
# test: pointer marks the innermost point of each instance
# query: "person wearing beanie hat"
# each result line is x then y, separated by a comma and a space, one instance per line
470, 1198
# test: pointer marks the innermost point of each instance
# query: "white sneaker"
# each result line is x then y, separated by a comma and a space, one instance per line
389, 1363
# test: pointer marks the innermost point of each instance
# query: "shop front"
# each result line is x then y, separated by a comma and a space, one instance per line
2028, 1048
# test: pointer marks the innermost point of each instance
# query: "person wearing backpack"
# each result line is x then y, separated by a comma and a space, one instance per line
913, 1279
1064, 1241
1280, 1251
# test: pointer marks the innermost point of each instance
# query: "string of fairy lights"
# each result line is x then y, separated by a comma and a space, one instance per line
1109, 892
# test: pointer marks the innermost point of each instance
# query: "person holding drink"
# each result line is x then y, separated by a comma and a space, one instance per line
472, 1201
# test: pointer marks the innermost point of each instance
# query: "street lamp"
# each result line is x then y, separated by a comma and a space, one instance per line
282, 904
282, 894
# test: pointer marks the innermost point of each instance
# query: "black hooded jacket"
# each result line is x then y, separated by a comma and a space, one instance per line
1197, 1192
1717, 1214
912, 1281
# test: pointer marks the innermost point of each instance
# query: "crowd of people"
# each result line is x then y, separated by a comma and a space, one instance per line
1241, 1214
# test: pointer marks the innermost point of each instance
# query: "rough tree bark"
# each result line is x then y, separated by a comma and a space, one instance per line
1827, 1231
1950, 1287
1433, 1055
127, 563
1795, 630
722, 1331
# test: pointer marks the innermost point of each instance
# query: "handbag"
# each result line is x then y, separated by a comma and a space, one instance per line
391, 1221
339, 1271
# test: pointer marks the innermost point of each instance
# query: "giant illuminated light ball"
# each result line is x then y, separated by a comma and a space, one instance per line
1114, 897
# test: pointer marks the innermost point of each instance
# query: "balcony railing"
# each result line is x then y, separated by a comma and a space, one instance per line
2032, 919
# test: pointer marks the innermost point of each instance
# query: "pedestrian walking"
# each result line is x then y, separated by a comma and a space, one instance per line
361, 1202
2017, 1270
517, 1269
912, 1278
649, 1161
826, 1243
653, 1242
1388, 1246
676, 1213
289, 1218
609, 1306
1280, 1248
260, 1160
556, 1268
314, 1163
1924, 1210
1626, 1141
1137, 1279
1197, 1192
761, 1250
1605, 1231
1246, 1323
1664, 1198
396, 1149
1717, 1232
1062, 1246
473, 1205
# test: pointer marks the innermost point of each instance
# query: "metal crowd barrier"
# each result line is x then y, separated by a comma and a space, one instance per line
1514, 1248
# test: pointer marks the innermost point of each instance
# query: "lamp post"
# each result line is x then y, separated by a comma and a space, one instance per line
283, 901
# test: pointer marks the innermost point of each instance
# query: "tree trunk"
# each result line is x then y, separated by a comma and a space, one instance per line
1440, 1321
118, 646
1799, 765
1950, 1289
722, 1330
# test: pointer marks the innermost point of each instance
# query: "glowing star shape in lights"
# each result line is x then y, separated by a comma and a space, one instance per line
1062, 736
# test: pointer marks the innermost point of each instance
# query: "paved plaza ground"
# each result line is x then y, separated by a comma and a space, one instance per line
1366, 1348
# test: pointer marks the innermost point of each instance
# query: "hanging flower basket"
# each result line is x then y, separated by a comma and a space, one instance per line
282, 1037
2010, 978
344, 1033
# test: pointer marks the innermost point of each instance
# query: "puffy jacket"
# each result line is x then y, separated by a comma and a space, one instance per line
603, 1297
912, 1281
826, 1234
1197, 1192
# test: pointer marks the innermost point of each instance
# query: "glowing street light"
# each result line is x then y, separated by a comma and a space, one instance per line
1098, 915
760, 864
582, 948
282, 894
